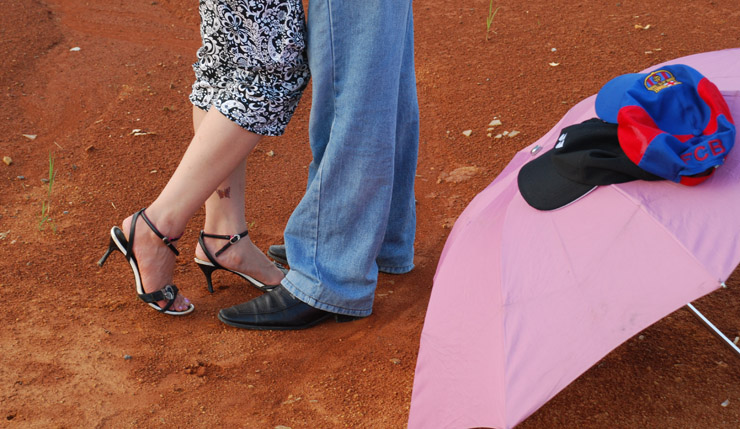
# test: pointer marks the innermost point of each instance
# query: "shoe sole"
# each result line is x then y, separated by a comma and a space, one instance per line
251, 280
339, 318
273, 328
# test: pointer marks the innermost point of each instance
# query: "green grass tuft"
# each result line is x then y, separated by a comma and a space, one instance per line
46, 203
489, 20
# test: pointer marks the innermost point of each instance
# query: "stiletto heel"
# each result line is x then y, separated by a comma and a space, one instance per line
111, 248
119, 242
208, 272
209, 266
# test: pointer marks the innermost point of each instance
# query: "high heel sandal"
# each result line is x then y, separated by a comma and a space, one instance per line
211, 265
126, 247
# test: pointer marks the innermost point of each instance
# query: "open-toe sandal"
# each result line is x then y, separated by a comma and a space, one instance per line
211, 265
119, 242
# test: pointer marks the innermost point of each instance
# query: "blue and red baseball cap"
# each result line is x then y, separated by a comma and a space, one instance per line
672, 122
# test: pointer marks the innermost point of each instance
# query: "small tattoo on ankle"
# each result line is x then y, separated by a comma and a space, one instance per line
226, 193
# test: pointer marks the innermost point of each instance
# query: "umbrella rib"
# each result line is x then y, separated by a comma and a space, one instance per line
714, 329
660, 225
706, 322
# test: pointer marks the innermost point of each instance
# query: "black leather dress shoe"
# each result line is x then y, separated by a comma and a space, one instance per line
277, 252
277, 309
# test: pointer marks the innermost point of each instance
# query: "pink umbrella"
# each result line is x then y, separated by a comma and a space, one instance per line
525, 301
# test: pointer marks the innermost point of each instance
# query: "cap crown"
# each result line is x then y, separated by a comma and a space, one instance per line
673, 122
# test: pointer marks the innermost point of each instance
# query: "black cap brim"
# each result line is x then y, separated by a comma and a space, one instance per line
543, 188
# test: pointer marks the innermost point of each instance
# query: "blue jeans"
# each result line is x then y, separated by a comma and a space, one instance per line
358, 213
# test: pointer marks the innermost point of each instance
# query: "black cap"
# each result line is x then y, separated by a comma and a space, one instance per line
586, 155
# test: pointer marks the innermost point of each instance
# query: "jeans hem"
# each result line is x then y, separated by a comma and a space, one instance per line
396, 270
292, 288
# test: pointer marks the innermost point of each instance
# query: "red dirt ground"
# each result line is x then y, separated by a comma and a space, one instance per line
78, 349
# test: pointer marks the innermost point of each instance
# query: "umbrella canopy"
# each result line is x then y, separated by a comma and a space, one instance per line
524, 301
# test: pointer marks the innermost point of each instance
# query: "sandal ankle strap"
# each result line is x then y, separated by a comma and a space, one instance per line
166, 240
232, 239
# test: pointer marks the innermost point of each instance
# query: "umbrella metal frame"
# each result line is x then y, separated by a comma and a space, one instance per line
714, 329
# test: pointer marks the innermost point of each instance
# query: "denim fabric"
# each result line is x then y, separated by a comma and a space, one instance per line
358, 212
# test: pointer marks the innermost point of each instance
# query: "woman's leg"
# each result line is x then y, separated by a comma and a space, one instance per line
225, 215
217, 149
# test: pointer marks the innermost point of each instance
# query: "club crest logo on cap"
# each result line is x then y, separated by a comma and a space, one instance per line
660, 80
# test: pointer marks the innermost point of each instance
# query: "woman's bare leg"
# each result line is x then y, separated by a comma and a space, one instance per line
217, 149
225, 215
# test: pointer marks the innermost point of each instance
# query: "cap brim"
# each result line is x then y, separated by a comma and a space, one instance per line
544, 189
609, 99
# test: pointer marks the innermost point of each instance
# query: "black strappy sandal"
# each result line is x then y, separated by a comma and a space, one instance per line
118, 242
209, 266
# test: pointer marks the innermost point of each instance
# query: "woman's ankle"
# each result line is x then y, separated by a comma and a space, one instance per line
163, 223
